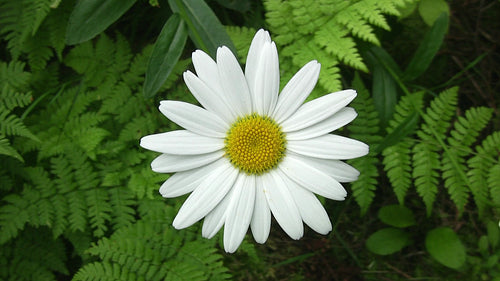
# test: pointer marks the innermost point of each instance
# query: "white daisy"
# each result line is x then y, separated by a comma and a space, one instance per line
250, 152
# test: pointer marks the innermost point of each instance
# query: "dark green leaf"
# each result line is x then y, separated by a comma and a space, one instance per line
91, 17
493, 233
205, 29
384, 88
166, 53
404, 129
431, 9
396, 215
444, 245
427, 49
387, 241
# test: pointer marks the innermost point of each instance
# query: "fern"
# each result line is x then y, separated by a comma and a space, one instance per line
453, 162
426, 160
327, 27
397, 158
151, 249
442, 155
365, 128
482, 167
27, 31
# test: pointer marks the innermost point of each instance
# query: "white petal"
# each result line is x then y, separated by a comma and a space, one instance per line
296, 91
207, 97
265, 84
239, 212
311, 210
261, 218
336, 169
206, 196
206, 70
181, 142
312, 178
216, 218
337, 120
318, 110
282, 205
233, 82
329, 147
194, 118
254, 55
170, 163
184, 182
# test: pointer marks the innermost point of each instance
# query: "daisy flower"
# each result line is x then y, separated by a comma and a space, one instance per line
251, 151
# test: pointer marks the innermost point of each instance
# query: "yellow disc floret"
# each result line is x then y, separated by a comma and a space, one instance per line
255, 144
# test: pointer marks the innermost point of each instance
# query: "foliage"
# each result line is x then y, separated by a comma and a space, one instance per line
79, 200
326, 31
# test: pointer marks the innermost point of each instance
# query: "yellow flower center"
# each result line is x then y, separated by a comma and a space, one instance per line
255, 144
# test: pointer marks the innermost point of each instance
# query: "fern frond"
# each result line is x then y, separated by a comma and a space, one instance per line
352, 20
15, 208
425, 174
366, 129
103, 271
122, 206
99, 210
438, 115
481, 170
397, 158
397, 164
13, 75
336, 42
494, 184
453, 163
426, 160
11, 125
8, 150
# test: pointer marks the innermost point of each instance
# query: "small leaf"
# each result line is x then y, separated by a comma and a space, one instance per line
396, 215
167, 50
387, 241
205, 29
431, 9
444, 245
493, 233
91, 17
427, 49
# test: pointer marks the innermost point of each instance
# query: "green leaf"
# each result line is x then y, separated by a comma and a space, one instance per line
400, 132
166, 53
205, 29
387, 241
493, 233
427, 49
444, 245
384, 88
396, 215
91, 17
431, 9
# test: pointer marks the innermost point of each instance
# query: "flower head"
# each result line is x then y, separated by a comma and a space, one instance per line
250, 151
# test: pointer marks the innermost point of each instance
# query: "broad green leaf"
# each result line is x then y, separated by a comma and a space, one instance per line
167, 50
387, 241
91, 17
384, 88
493, 231
427, 49
444, 245
431, 9
205, 29
396, 215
